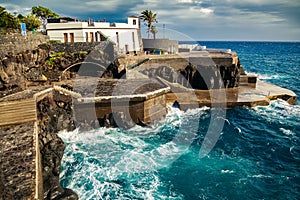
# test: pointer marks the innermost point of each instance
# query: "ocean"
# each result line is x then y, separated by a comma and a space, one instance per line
257, 155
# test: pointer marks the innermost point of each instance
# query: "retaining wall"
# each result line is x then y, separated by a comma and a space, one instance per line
16, 43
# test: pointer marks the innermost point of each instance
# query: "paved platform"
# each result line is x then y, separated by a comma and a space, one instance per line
21, 107
249, 96
265, 92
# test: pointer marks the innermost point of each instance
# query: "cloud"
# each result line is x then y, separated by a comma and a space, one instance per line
108, 6
185, 1
232, 18
171, 11
15, 8
279, 19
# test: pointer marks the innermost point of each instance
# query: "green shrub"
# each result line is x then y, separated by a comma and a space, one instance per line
55, 41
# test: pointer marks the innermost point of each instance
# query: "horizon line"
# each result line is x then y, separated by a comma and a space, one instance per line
227, 40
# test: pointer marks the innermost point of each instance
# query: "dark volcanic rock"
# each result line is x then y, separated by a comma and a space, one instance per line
46, 65
53, 117
200, 77
16, 70
116, 119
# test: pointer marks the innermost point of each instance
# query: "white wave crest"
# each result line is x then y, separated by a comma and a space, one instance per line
287, 132
279, 110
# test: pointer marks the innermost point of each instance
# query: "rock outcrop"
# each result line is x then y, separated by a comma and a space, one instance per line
17, 70
55, 114
198, 77
45, 65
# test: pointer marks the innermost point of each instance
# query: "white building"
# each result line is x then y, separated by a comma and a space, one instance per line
125, 35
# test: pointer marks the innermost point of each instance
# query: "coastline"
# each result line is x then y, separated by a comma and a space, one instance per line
51, 122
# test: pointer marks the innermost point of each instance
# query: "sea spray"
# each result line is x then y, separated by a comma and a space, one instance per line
124, 164
257, 155
113, 164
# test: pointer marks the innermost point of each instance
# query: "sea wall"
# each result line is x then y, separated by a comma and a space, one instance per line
166, 45
31, 151
17, 163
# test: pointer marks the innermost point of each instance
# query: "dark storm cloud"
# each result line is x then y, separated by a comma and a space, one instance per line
210, 19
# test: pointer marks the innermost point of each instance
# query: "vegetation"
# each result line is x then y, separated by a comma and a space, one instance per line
43, 13
149, 17
50, 62
33, 20
154, 32
57, 54
7, 20
54, 41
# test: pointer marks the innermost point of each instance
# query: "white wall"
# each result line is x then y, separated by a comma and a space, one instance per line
128, 33
71, 25
68, 25
59, 35
102, 24
125, 38
130, 22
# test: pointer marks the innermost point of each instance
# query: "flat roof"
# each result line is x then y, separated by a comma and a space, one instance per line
95, 87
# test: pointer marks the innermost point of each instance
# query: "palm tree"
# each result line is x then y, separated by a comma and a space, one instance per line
3, 14
154, 31
150, 17
2, 11
7, 20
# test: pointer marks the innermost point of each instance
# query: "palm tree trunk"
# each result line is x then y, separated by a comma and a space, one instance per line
148, 33
149, 28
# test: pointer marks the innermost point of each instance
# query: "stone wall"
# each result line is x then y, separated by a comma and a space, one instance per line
78, 46
31, 152
16, 43
17, 161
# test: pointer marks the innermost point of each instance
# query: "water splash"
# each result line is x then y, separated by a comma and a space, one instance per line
258, 152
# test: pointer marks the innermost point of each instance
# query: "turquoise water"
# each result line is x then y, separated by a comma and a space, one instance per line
257, 155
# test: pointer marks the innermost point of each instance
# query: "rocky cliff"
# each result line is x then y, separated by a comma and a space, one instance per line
40, 68
200, 73
48, 63
54, 114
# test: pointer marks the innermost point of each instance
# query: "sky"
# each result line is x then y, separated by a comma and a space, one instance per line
227, 20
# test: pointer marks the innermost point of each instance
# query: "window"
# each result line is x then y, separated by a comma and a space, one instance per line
65, 37
72, 37
134, 22
91, 37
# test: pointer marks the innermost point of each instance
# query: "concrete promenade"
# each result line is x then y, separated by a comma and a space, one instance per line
245, 95
265, 92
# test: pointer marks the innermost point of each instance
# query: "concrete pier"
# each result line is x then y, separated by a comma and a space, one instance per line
245, 95
264, 92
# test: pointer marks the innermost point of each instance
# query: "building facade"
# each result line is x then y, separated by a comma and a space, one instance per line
126, 36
